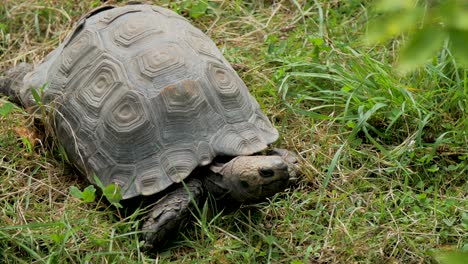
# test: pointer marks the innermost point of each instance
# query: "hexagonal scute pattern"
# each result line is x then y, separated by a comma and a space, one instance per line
153, 178
203, 45
82, 47
185, 114
231, 91
103, 83
127, 130
179, 162
161, 60
136, 29
238, 139
142, 98
127, 115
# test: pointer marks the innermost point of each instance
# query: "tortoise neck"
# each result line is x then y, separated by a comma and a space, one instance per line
214, 186
12, 82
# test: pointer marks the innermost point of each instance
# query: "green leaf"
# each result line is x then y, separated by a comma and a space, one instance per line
422, 196
452, 14
392, 24
316, 41
451, 257
449, 221
98, 182
433, 168
423, 45
57, 238
89, 194
297, 262
36, 96
113, 194
394, 5
458, 45
3, 28
27, 144
6, 109
351, 124
75, 192
199, 9
452, 167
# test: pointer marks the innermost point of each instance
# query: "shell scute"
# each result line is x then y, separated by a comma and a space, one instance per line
185, 114
83, 47
161, 60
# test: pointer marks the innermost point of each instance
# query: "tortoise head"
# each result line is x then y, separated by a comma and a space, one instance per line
248, 178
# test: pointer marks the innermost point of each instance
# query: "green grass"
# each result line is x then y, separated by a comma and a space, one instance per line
385, 156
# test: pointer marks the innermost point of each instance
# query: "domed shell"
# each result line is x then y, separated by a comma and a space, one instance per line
141, 98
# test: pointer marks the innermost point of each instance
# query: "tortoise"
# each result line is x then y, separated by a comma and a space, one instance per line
142, 99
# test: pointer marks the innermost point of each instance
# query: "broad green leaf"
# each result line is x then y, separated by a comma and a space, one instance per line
459, 44
75, 192
452, 14
460, 20
317, 41
351, 124
421, 47
57, 238
113, 194
198, 9
89, 194
6, 109
393, 24
451, 257
433, 168
393, 5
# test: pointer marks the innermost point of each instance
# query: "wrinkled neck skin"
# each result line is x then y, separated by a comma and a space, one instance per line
246, 179
215, 188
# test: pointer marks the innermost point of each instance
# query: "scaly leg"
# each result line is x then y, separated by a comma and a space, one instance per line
171, 213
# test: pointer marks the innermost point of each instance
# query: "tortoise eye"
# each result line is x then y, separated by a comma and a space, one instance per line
266, 173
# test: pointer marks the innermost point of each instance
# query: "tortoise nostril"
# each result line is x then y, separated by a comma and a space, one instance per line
266, 173
244, 184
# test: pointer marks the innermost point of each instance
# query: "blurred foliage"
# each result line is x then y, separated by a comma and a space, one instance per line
451, 257
194, 9
430, 24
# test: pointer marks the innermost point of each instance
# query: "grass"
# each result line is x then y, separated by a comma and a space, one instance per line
385, 156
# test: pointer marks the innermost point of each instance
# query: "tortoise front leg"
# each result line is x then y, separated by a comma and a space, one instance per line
171, 213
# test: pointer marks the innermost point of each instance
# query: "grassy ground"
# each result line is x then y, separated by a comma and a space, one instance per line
385, 157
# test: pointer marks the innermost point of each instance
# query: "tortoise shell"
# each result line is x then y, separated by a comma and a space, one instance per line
141, 97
